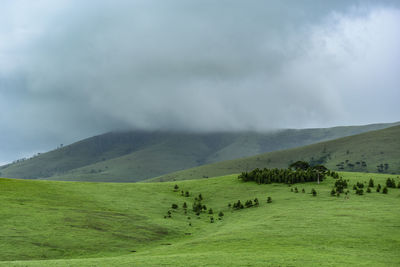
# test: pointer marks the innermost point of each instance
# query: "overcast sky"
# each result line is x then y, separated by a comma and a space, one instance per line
72, 69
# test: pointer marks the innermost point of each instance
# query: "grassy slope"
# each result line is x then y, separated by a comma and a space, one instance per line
107, 221
375, 147
137, 155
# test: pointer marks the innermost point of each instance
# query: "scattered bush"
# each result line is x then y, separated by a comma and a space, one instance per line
269, 200
176, 187
174, 206
368, 190
221, 214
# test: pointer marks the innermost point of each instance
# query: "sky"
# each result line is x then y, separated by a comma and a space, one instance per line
72, 69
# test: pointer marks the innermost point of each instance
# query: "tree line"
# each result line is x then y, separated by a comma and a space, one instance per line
298, 172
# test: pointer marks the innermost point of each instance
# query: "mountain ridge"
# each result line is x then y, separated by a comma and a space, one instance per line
137, 155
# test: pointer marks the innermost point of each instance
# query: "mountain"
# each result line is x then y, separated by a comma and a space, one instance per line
374, 151
137, 155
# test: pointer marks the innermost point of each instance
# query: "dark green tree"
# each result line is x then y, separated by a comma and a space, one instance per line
176, 187
313, 192
221, 214
333, 192
384, 190
174, 206
184, 205
210, 211
371, 183
378, 188
269, 200
299, 165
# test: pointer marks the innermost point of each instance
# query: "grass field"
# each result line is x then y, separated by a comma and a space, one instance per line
46, 223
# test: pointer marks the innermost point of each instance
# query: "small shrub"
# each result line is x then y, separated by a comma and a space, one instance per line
333, 192
174, 206
249, 204
296, 190
303, 191
378, 188
313, 192
368, 190
384, 190
187, 194
371, 183
256, 203
176, 187
184, 205
221, 214
269, 200
210, 211
211, 219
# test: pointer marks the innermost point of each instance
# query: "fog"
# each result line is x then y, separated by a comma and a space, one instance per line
72, 69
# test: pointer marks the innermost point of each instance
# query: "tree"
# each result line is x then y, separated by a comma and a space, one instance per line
187, 194
200, 197
313, 192
256, 203
210, 211
269, 200
299, 165
320, 170
378, 188
384, 190
221, 214
184, 205
176, 187
368, 190
371, 183
174, 206
333, 192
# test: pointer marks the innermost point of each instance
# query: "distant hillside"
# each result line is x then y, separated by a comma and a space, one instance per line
138, 155
375, 151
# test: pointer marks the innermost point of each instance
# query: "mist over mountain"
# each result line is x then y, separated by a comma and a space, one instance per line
72, 69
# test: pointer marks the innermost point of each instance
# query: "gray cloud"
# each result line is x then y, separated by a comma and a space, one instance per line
77, 68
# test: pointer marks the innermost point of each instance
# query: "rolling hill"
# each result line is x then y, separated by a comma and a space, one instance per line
138, 155
51, 223
375, 151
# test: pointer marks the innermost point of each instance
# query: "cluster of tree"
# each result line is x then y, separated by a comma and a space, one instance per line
340, 185
298, 172
359, 187
391, 183
248, 204
382, 167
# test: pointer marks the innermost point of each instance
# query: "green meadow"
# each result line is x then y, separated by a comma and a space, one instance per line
49, 223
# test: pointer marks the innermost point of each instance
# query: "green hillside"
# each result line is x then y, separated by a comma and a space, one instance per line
137, 155
375, 151
48, 223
